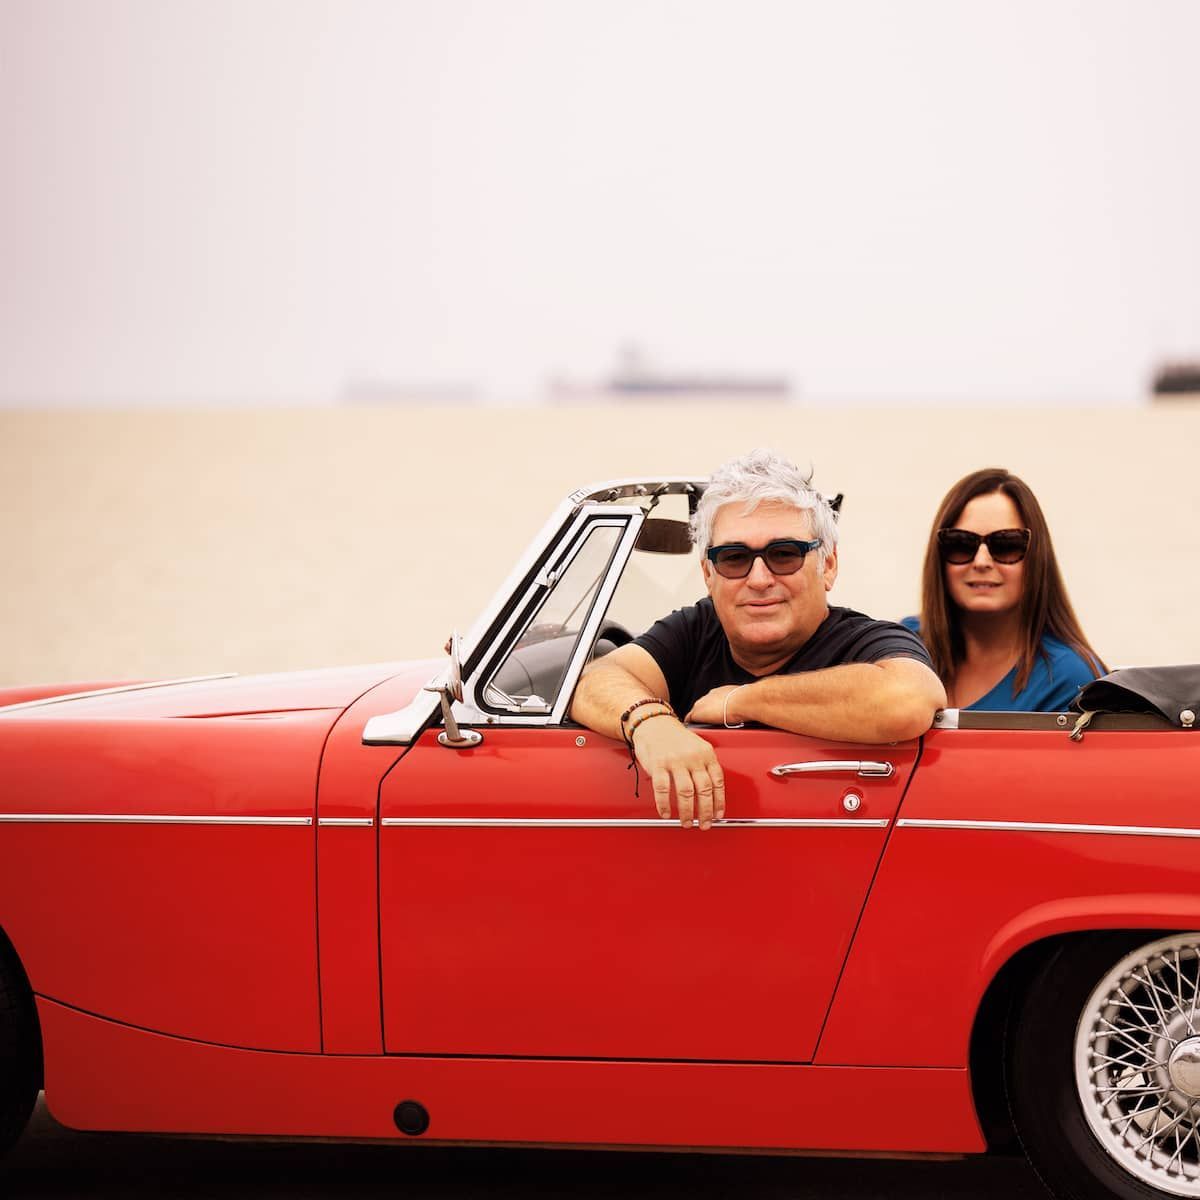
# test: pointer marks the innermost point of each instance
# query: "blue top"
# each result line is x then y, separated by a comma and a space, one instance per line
1058, 673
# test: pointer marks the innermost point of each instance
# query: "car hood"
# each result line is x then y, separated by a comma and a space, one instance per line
334, 688
213, 748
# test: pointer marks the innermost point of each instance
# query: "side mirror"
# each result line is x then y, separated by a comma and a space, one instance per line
453, 677
450, 688
661, 535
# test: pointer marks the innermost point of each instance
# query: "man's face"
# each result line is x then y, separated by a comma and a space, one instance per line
768, 617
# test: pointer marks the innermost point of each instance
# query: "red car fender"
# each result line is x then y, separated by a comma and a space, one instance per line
1082, 914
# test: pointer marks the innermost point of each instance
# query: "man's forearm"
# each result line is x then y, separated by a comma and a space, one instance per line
858, 702
603, 694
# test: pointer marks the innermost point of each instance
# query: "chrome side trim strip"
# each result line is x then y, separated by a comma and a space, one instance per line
130, 819
1052, 827
347, 822
628, 823
112, 691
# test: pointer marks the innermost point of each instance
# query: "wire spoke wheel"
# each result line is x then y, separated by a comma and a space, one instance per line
1137, 1064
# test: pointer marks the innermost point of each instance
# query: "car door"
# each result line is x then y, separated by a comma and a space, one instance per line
532, 904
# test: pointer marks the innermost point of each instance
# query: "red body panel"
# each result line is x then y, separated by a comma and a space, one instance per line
102, 1075
206, 930
201, 930
347, 862
620, 942
599, 983
950, 906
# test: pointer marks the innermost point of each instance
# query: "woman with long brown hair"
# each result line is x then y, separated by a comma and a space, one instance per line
994, 610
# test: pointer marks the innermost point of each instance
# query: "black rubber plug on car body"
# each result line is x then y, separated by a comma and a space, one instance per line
411, 1117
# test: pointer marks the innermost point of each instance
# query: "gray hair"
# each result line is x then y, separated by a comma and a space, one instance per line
760, 477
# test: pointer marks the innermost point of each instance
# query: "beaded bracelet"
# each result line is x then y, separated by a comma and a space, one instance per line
635, 725
639, 703
665, 711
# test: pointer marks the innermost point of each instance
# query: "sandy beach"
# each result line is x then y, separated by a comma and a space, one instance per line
158, 543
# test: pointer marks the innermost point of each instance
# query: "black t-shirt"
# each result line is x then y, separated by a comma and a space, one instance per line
693, 653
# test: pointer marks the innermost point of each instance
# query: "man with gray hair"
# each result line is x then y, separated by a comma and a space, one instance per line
764, 645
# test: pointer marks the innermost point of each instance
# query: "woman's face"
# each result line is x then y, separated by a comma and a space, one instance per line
983, 585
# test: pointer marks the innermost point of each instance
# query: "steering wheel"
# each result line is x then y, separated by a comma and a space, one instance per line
612, 634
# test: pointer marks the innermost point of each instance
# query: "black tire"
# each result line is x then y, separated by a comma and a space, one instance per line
1054, 1112
20, 1049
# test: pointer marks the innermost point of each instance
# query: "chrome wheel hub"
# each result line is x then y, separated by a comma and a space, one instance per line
1137, 1064
1183, 1067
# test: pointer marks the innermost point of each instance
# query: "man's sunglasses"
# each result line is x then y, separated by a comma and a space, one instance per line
960, 546
783, 556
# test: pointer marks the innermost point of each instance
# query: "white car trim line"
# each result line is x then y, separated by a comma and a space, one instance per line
143, 819
1051, 827
629, 823
112, 691
347, 822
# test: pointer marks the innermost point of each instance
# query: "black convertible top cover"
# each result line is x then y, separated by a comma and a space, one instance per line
1172, 691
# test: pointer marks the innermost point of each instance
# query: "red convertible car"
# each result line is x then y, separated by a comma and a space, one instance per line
359, 904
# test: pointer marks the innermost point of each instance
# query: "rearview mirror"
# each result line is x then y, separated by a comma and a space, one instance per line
660, 535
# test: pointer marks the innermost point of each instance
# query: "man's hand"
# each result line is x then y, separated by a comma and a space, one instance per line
675, 757
711, 708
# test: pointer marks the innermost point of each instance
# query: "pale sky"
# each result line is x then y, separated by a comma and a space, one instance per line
268, 200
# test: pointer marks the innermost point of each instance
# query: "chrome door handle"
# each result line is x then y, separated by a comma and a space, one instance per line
865, 770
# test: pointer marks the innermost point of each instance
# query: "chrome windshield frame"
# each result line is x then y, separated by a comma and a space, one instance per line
590, 516
404, 726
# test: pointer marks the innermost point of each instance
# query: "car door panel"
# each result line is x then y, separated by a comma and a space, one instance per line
531, 904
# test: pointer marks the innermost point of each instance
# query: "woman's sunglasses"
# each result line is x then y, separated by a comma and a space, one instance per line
783, 556
960, 546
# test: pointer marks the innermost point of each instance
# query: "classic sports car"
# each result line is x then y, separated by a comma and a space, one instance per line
355, 904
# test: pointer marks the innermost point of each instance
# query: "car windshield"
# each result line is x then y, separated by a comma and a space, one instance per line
531, 674
655, 584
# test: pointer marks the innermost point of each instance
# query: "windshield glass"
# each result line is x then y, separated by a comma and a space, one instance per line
532, 672
653, 585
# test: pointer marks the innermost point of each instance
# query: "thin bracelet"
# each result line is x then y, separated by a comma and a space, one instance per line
725, 708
